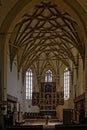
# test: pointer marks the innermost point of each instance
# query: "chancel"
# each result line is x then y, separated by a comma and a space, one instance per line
43, 64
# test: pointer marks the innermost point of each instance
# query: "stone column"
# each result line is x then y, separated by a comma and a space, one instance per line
1, 80
39, 81
85, 83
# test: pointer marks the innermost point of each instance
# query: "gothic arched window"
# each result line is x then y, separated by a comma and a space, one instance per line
66, 84
48, 76
29, 79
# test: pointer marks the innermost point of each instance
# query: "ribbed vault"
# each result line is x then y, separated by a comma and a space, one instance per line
49, 36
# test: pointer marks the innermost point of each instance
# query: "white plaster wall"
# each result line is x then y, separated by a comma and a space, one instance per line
14, 85
15, 88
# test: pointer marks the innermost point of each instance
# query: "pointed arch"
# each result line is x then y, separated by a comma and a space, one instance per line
48, 76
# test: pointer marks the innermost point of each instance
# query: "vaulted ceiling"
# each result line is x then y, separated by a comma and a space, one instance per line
47, 36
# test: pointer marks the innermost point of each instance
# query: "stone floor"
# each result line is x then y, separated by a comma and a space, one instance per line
51, 123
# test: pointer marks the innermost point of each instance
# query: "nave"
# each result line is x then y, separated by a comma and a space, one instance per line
43, 64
